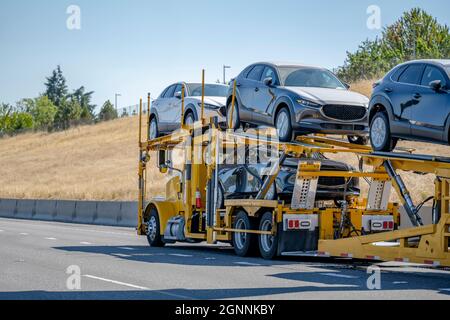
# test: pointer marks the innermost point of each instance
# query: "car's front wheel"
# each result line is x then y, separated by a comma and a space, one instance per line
153, 132
283, 125
235, 123
380, 133
189, 119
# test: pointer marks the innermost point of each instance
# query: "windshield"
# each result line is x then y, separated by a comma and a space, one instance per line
309, 77
211, 90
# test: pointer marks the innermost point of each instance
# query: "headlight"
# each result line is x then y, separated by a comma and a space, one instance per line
209, 106
308, 103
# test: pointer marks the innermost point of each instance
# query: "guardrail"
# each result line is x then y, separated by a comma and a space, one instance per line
109, 213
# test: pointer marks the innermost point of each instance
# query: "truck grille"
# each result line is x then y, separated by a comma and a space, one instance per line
344, 113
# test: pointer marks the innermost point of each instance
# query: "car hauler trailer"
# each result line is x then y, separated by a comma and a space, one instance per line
363, 227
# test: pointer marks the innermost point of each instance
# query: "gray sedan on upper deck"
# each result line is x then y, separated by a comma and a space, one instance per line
298, 99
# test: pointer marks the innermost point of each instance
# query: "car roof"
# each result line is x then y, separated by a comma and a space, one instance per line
441, 62
287, 64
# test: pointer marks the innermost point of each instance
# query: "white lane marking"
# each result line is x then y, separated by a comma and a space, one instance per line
400, 282
180, 255
121, 255
23, 234
338, 275
446, 289
50, 238
85, 243
247, 263
210, 258
126, 248
136, 287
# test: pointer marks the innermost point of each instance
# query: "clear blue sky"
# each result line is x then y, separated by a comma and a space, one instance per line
136, 46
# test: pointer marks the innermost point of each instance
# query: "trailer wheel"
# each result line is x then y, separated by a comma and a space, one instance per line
268, 244
245, 244
154, 229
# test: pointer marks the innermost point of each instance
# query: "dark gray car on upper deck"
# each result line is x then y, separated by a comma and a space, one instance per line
297, 99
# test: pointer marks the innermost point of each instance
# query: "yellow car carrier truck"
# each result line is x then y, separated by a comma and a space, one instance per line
363, 227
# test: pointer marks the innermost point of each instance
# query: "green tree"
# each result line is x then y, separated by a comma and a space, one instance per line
84, 100
43, 112
416, 35
12, 121
56, 88
107, 112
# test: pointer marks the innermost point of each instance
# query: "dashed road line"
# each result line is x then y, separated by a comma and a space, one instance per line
181, 255
136, 286
126, 248
85, 243
50, 238
23, 234
338, 275
400, 282
244, 263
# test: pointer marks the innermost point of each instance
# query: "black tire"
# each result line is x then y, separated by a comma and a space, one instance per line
268, 245
220, 198
380, 133
237, 122
358, 140
154, 237
287, 134
244, 244
156, 133
189, 116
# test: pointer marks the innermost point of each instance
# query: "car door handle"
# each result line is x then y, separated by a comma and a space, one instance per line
238, 84
256, 89
417, 96
388, 90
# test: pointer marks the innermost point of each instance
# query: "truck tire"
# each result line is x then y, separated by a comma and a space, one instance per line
154, 230
268, 245
245, 244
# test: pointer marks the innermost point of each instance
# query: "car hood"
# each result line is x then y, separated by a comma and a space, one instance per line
325, 96
217, 101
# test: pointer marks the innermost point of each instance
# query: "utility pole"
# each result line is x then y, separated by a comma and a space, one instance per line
224, 73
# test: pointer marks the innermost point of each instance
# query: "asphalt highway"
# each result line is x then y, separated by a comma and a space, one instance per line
45, 260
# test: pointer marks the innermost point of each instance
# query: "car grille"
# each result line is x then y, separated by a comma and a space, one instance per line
345, 113
331, 181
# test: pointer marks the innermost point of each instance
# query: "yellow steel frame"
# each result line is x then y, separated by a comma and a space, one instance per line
434, 239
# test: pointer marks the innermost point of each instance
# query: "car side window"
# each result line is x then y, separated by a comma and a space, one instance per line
396, 75
256, 73
270, 73
178, 88
412, 74
163, 93
433, 74
170, 92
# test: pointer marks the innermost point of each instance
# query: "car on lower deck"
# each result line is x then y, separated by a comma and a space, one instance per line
165, 112
412, 102
297, 99
237, 181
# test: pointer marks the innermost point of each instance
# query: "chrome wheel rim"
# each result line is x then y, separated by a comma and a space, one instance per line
266, 240
239, 237
378, 132
151, 228
153, 130
282, 124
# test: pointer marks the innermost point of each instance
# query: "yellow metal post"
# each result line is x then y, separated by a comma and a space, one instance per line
148, 114
140, 175
233, 101
203, 96
182, 105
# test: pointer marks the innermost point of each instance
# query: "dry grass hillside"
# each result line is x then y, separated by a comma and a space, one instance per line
100, 163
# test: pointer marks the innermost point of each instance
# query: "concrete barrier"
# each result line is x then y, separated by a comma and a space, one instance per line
65, 211
128, 214
85, 212
25, 209
107, 213
8, 208
45, 210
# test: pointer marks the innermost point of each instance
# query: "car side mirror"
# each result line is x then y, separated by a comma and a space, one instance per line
436, 85
348, 86
178, 94
268, 81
